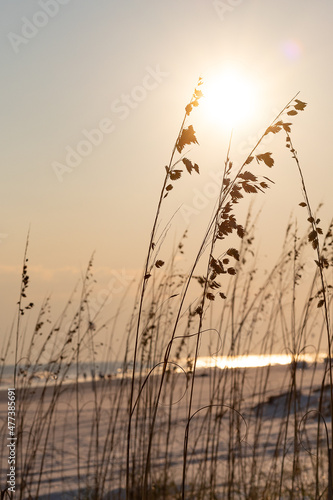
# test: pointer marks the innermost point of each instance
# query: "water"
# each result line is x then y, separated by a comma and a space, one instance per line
89, 371
38, 375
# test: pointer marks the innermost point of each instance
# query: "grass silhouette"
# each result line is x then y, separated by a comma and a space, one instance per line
156, 426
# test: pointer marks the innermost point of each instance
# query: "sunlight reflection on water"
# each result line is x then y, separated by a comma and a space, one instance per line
253, 360
87, 372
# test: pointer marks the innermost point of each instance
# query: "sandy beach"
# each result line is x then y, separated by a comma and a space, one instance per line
245, 410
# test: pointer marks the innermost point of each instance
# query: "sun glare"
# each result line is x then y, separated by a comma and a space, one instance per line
229, 98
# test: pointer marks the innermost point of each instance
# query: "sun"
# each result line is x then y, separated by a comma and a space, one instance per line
230, 98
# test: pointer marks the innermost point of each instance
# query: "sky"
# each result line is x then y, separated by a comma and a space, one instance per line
92, 98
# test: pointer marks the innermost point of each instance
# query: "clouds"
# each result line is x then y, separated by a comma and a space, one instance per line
40, 272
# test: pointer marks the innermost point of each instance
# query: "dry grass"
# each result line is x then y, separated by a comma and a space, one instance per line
159, 428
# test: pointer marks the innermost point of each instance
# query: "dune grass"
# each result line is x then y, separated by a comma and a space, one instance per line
159, 427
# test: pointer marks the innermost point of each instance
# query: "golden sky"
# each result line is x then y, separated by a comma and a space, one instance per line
92, 97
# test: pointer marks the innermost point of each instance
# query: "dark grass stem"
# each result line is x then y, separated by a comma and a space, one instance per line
224, 192
20, 312
320, 263
142, 295
201, 321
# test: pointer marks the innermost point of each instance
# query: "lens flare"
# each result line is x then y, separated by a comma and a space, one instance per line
291, 49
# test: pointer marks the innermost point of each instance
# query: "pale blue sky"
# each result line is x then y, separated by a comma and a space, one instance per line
70, 73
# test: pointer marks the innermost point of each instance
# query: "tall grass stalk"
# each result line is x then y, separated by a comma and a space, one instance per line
146, 275
322, 263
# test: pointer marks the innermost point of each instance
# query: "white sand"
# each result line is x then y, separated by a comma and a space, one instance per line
58, 457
